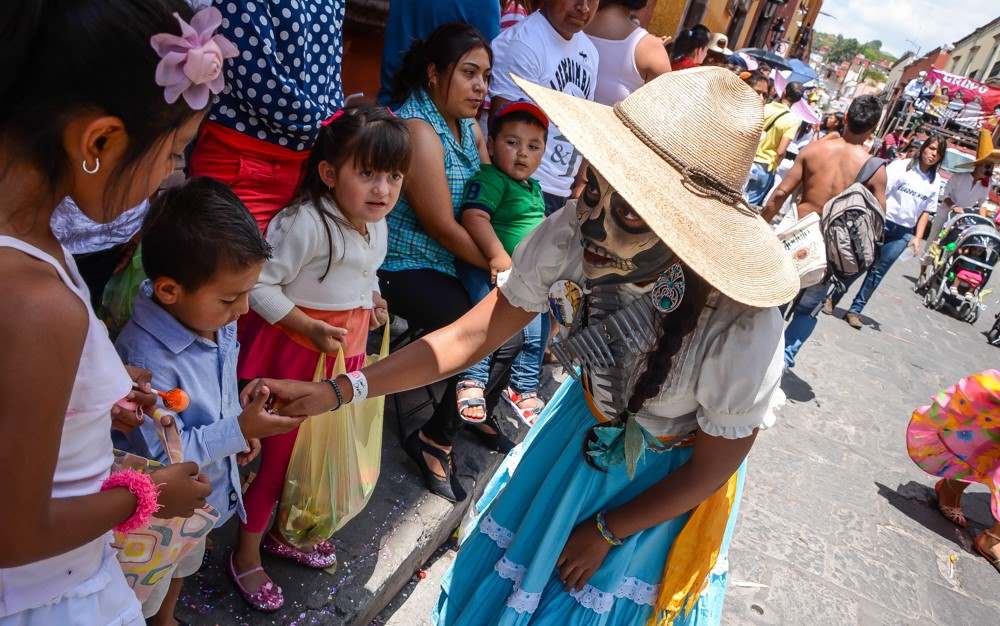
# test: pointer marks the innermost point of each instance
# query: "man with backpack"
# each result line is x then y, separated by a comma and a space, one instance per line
780, 126
827, 170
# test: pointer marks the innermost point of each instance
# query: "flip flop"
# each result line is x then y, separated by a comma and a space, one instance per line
986, 554
953, 514
268, 599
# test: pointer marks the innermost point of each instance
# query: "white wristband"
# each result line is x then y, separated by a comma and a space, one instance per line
359, 383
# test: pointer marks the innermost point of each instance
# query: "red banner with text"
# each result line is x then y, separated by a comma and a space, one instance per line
964, 101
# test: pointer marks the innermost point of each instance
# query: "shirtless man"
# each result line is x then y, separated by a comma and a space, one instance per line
824, 169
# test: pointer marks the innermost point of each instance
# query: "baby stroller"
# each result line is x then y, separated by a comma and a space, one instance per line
966, 252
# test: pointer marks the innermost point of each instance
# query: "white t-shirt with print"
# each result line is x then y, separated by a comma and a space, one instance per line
908, 192
535, 51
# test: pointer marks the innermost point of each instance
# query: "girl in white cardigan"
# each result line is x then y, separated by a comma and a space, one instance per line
317, 294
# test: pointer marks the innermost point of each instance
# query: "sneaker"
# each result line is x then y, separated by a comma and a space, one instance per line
854, 321
828, 306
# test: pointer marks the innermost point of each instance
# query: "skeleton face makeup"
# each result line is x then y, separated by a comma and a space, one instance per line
618, 246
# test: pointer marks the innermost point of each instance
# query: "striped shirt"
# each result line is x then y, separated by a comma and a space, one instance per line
410, 248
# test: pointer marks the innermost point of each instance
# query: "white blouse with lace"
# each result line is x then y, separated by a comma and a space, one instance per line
725, 380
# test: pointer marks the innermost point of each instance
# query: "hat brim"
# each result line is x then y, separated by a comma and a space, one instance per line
993, 159
732, 249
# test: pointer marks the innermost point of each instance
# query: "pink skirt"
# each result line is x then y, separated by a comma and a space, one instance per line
267, 351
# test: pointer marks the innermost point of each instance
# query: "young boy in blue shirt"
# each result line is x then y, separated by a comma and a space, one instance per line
202, 252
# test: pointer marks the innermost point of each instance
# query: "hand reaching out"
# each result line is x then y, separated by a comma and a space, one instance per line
256, 422
126, 414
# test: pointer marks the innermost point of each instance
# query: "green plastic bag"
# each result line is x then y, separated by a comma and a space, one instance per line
119, 295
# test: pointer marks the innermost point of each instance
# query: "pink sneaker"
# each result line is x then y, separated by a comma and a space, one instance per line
323, 556
268, 599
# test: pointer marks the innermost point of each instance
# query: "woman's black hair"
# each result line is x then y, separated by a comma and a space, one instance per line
942, 146
674, 328
632, 5
62, 58
839, 117
372, 136
688, 41
443, 48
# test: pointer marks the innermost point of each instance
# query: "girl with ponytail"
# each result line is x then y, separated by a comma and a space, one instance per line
97, 101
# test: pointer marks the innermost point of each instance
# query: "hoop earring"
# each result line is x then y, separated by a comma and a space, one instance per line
97, 166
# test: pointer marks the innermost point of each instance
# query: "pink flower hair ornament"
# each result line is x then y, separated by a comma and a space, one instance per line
191, 64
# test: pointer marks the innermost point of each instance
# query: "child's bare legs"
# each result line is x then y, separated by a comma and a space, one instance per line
165, 616
951, 492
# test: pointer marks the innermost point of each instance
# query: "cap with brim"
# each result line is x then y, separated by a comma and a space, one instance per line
985, 153
522, 106
679, 150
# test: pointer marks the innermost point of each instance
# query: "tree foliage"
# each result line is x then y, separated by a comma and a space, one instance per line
845, 49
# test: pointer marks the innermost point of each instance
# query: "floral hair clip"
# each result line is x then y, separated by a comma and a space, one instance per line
191, 64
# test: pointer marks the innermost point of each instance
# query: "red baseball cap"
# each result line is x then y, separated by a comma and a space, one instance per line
525, 107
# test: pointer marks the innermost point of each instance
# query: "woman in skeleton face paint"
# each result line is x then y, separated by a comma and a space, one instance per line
665, 285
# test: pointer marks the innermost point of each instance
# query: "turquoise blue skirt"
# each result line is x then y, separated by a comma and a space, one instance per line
505, 571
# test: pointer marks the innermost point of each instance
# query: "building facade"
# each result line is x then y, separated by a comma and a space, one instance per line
977, 55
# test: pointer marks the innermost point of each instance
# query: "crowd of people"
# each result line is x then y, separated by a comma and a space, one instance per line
517, 191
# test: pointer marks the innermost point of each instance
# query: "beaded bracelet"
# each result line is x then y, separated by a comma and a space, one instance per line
336, 389
145, 491
602, 527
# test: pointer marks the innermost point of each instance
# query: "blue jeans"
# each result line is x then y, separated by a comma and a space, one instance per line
897, 237
527, 366
761, 179
803, 320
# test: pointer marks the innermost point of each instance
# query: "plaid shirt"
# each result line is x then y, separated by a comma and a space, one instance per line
410, 248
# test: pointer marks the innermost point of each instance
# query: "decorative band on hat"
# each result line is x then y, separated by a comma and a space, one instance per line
696, 179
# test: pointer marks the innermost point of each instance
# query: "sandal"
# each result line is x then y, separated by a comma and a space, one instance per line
514, 400
986, 554
465, 404
496, 440
323, 556
447, 487
268, 599
951, 513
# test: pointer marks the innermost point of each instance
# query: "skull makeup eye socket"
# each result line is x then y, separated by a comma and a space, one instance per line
626, 216
592, 190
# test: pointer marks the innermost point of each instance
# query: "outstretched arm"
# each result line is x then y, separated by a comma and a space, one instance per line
434, 357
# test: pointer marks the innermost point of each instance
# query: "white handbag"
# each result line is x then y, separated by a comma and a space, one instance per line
804, 241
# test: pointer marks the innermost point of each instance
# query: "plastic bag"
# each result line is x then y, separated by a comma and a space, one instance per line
149, 554
334, 465
119, 295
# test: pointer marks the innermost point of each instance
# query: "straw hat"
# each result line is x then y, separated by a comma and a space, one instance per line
985, 153
679, 150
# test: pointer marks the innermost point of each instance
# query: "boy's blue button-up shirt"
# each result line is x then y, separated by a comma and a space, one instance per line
206, 370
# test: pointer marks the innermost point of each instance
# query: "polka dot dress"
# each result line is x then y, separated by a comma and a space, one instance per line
287, 77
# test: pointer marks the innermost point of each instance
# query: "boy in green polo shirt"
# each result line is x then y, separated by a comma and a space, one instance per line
501, 206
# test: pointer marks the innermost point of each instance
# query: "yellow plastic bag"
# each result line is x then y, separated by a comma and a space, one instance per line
334, 465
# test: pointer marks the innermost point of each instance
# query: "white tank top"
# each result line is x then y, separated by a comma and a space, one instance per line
617, 75
85, 453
